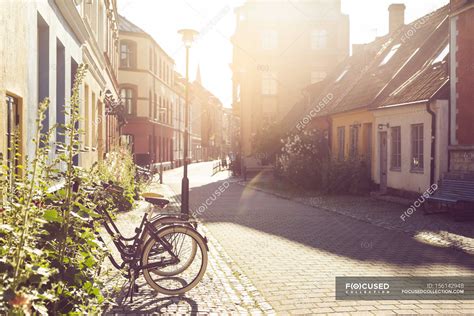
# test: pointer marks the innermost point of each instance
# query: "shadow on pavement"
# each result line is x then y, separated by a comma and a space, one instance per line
319, 229
147, 302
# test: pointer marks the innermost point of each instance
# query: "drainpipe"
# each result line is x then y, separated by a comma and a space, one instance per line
433, 143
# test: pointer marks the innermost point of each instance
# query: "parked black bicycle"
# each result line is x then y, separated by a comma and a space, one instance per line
166, 248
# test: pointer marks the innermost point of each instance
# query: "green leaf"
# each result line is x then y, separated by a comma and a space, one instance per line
52, 215
89, 262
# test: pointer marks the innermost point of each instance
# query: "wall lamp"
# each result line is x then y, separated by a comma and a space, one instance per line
382, 126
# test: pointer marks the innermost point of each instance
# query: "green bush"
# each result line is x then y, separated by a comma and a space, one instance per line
350, 176
118, 168
301, 159
49, 251
305, 159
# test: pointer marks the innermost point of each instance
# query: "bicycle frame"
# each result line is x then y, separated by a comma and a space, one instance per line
131, 254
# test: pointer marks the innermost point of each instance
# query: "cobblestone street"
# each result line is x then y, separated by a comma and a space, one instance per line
274, 255
224, 289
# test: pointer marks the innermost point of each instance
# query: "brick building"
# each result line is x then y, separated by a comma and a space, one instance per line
461, 149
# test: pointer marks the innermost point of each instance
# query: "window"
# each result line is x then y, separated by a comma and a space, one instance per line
94, 120
417, 147
160, 108
155, 105
341, 142
161, 69
13, 132
354, 140
269, 83
390, 54
317, 76
60, 91
150, 105
269, 39
151, 59
127, 54
86, 121
396, 157
319, 39
128, 98
442, 55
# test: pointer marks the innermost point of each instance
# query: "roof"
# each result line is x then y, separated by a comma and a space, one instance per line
423, 85
367, 78
127, 26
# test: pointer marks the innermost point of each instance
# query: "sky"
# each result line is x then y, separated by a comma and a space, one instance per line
215, 21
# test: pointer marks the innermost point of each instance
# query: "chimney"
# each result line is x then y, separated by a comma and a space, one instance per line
396, 13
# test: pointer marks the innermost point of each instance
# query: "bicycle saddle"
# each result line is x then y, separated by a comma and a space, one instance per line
155, 199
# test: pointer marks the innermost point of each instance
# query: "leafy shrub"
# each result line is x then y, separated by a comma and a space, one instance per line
301, 159
118, 168
49, 251
350, 176
305, 159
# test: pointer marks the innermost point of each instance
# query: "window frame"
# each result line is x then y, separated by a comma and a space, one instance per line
396, 148
319, 39
132, 110
130, 54
354, 141
341, 142
417, 148
269, 84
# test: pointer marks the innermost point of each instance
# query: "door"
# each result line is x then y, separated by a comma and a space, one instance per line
383, 162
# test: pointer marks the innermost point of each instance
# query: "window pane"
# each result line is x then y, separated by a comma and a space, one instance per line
396, 147
417, 147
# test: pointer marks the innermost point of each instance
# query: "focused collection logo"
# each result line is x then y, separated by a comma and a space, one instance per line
367, 288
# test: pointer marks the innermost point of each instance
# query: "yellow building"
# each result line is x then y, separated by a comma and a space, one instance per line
147, 88
353, 135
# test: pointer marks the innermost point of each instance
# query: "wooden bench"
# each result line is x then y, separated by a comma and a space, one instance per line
454, 195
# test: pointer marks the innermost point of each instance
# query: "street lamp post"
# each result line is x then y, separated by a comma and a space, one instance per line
188, 37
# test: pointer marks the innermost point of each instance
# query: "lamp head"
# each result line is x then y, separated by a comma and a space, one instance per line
188, 36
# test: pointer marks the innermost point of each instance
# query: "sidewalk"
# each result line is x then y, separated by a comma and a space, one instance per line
435, 229
224, 288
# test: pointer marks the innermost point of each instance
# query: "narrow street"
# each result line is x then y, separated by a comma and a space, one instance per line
292, 252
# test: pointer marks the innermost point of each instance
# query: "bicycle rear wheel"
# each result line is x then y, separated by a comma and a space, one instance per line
185, 243
158, 248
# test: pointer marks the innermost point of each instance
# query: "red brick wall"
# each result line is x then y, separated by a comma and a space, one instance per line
465, 78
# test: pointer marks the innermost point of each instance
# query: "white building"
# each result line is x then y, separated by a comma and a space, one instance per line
412, 142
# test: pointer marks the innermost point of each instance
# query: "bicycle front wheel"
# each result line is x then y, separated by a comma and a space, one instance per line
186, 245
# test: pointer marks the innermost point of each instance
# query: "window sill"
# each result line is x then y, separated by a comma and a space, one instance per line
419, 171
396, 169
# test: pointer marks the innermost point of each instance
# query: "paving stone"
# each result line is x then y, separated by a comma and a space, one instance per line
283, 247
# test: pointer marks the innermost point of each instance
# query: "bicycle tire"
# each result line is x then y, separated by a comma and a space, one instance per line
200, 243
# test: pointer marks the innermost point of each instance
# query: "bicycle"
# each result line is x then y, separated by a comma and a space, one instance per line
168, 250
